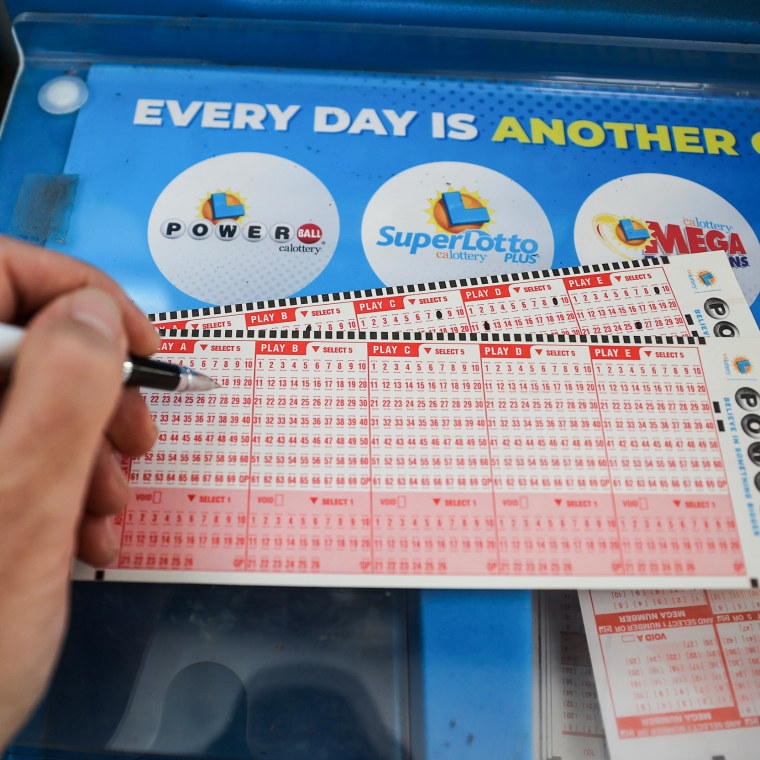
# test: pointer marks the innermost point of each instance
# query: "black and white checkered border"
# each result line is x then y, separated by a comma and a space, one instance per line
461, 337
349, 295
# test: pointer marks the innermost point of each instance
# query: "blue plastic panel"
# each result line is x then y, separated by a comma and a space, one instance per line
477, 675
734, 21
296, 674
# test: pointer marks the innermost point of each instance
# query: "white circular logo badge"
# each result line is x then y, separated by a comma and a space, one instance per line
658, 214
243, 227
450, 220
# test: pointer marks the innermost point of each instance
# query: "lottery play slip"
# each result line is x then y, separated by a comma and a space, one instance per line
676, 295
452, 460
678, 672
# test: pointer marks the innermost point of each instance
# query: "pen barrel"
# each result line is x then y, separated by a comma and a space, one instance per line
153, 374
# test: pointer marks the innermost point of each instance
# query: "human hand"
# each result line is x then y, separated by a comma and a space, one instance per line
63, 418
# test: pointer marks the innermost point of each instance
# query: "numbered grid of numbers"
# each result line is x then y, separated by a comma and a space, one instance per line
441, 459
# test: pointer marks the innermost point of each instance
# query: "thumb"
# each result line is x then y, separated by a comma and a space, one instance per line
62, 392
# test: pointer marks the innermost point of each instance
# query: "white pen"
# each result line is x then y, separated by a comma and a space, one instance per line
147, 373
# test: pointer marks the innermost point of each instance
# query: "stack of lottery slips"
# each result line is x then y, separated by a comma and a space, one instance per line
414, 436
470, 497
567, 719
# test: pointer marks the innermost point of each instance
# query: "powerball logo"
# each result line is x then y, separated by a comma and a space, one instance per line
630, 237
223, 213
461, 220
243, 227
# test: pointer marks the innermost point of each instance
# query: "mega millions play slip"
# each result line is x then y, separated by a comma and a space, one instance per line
677, 671
460, 459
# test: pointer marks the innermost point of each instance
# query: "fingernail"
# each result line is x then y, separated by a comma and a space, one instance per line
113, 542
120, 477
98, 311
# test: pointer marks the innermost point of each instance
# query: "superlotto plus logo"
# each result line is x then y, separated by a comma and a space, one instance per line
411, 234
243, 227
461, 219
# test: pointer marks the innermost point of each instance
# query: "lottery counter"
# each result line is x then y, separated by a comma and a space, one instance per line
238, 156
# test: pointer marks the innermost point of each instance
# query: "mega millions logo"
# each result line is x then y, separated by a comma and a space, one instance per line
223, 213
632, 237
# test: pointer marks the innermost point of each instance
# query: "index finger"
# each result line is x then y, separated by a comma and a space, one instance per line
31, 277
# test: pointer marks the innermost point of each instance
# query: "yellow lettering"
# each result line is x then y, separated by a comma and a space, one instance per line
720, 140
539, 130
687, 140
510, 127
596, 138
660, 135
619, 131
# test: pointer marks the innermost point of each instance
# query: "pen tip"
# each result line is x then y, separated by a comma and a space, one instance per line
195, 381
203, 383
